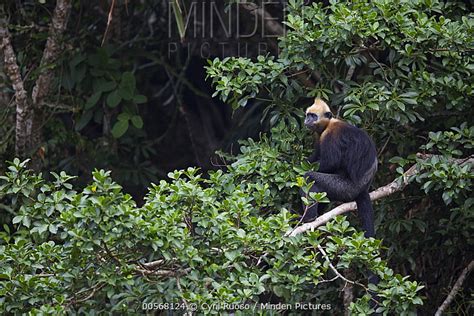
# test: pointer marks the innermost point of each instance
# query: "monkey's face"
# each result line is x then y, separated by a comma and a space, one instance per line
311, 120
317, 116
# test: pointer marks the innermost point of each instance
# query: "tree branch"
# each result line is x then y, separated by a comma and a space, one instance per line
188, 309
164, 273
152, 268
455, 289
52, 50
10, 63
154, 264
333, 268
381, 192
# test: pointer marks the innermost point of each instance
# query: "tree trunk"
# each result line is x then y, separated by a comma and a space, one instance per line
24, 111
29, 110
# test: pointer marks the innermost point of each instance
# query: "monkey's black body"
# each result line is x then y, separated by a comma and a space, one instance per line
347, 164
348, 151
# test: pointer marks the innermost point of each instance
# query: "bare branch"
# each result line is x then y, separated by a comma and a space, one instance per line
455, 289
92, 290
152, 268
307, 207
52, 50
188, 309
333, 268
348, 283
350, 72
109, 21
381, 192
164, 273
153, 264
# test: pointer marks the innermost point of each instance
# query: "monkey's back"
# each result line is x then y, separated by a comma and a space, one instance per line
349, 149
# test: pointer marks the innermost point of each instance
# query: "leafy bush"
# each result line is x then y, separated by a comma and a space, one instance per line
196, 240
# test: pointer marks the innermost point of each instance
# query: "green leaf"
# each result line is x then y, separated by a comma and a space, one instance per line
372, 287
26, 221
42, 228
127, 86
102, 85
137, 121
126, 94
76, 60
113, 99
84, 120
373, 106
123, 116
119, 128
17, 219
231, 255
93, 99
408, 95
53, 229
139, 99
241, 233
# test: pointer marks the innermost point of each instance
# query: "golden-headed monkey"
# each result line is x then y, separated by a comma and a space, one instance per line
347, 163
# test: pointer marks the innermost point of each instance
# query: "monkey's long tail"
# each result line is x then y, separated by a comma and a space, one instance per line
366, 213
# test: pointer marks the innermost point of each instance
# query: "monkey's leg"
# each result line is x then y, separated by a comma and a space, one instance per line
337, 187
342, 189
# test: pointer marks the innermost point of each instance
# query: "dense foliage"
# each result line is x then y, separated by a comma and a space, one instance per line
204, 237
399, 69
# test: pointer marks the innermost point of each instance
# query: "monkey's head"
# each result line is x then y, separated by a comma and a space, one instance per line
318, 116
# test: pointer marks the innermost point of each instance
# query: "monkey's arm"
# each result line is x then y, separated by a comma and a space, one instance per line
332, 153
316, 154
